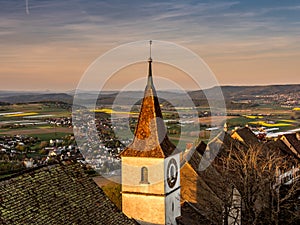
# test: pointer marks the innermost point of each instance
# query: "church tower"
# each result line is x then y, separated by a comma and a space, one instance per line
151, 166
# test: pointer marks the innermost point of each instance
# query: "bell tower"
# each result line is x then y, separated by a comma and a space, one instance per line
151, 166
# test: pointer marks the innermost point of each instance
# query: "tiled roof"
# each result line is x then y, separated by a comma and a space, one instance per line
190, 215
229, 142
294, 141
278, 145
201, 187
211, 190
57, 194
193, 158
215, 181
248, 136
220, 145
150, 137
201, 147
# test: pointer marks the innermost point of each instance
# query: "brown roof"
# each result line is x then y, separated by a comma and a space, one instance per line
201, 147
219, 145
294, 141
248, 136
193, 158
229, 142
195, 190
150, 137
202, 187
190, 215
57, 194
279, 145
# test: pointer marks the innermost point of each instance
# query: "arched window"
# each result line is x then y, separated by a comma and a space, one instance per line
144, 175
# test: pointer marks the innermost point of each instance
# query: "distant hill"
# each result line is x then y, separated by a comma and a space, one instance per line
4, 103
248, 92
27, 98
231, 93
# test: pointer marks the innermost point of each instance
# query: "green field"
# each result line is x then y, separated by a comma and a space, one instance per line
16, 119
263, 115
284, 120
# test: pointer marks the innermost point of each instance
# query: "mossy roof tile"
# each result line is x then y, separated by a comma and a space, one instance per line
57, 194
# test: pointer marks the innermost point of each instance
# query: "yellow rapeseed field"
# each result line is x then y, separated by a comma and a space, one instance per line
264, 124
21, 114
253, 117
288, 121
110, 111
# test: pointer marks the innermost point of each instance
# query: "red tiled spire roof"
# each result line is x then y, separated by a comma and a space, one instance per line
150, 137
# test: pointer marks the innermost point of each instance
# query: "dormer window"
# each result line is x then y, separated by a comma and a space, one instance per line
144, 175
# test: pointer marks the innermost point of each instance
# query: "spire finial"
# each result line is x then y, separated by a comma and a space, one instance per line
150, 81
150, 46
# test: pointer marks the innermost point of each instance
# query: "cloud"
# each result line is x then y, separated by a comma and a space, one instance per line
80, 21
81, 30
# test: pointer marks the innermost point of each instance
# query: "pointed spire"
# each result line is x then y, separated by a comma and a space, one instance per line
150, 136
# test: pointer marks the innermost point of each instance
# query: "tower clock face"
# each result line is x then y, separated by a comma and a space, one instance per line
172, 173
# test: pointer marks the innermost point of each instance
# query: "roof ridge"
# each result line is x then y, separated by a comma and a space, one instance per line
32, 169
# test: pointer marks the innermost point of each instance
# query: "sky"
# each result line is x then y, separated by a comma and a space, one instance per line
48, 45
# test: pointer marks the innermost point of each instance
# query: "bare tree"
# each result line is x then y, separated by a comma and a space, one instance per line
252, 170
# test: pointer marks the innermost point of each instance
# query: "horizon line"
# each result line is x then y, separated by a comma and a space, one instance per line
117, 90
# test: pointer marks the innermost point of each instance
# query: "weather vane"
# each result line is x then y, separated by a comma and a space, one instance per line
27, 7
150, 43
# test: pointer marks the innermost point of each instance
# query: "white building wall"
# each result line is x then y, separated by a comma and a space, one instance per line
173, 207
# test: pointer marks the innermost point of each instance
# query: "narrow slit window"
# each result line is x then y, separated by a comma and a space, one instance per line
144, 175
